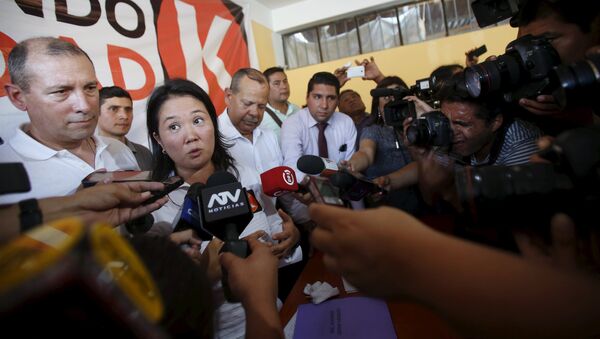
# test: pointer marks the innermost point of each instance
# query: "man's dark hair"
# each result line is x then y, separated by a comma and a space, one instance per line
272, 70
453, 90
113, 92
323, 78
583, 13
17, 58
444, 73
184, 286
347, 91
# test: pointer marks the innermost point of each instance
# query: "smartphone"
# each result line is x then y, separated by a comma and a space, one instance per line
171, 184
15, 179
355, 72
323, 191
478, 51
117, 176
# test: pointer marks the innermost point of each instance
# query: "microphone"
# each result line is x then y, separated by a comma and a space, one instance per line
190, 217
314, 165
353, 188
384, 92
226, 213
140, 225
279, 180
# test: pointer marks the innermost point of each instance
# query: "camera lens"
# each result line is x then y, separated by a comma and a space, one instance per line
578, 82
491, 76
418, 133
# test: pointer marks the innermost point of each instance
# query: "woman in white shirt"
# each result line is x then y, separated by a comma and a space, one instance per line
185, 138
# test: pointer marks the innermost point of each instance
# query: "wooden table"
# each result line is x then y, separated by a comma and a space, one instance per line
410, 320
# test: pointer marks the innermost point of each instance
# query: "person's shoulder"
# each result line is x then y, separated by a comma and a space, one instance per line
139, 147
342, 118
523, 129
296, 118
8, 153
112, 144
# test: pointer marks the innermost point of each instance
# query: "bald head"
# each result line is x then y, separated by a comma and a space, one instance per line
21, 53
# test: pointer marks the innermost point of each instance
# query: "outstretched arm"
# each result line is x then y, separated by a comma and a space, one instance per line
477, 288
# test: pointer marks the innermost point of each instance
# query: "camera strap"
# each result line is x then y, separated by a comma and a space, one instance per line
274, 116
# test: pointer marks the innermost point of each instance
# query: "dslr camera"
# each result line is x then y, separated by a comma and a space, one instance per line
569, 183
431, 129
397, 110
522, 72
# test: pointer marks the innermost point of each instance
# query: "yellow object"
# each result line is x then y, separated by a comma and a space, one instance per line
123, 266
112, 260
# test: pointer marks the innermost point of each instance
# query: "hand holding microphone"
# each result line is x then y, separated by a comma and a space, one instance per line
352, 185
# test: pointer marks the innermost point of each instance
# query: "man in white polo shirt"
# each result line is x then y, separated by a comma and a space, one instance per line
55, 83
256, 147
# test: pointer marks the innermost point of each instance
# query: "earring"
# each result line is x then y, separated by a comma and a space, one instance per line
163, 151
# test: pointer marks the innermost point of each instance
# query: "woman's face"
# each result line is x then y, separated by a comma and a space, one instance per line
384, 100
186, 132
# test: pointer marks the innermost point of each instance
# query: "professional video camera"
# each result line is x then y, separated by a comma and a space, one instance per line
397, 110
431, 129
527, 196
522, 72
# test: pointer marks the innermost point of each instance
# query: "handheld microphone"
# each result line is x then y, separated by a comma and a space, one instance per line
314, 165
226, 213
384, 92
279, 180
353, 188
140, 225
190, 217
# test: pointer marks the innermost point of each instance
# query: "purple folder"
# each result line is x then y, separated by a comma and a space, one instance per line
352, 317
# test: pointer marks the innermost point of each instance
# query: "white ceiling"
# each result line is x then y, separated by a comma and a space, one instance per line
274, 4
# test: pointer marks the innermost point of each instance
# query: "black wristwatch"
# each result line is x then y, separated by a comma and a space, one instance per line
30, 215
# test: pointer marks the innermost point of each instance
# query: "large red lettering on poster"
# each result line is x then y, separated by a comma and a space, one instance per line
222, 38
203, 41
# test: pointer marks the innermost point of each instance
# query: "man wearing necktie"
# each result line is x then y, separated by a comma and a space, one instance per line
318, 129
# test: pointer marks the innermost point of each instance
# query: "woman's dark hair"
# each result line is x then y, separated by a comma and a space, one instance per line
184, 286
385, 82
162, 163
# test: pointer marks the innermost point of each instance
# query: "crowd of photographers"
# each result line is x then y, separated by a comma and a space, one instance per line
507, 148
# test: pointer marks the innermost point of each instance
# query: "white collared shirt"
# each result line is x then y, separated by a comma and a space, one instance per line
231, 316
269, 123
262, 153
59, 173
299, 136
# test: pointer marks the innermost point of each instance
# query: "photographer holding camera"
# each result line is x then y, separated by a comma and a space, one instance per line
481, 133
551, 33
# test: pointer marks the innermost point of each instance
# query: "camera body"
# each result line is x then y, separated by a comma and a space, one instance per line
397, 110
522, 72
430, 129
568, 183
423, 89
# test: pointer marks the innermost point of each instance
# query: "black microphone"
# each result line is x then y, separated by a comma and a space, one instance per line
140, 225
384, 92
353, 188
314, 165
190, 217
226, 213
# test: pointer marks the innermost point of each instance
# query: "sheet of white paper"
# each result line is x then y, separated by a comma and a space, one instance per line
288, 330
348, 287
